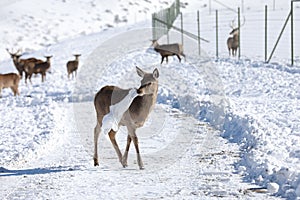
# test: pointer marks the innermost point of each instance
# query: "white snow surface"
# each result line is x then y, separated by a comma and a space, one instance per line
221, 128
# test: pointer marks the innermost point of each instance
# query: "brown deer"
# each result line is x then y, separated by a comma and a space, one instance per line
167, 50
37, 68
72, 66
233, 42
20, 63
10, 80
132, 118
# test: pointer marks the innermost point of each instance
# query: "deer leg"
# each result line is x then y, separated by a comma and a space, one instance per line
97, 130
183, 56
178, 57
139, 159
112, 138
167, 59
15, 91
26, 77
125, 156
29, 77
162, 59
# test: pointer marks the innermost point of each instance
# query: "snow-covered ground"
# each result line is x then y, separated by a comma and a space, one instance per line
221, 128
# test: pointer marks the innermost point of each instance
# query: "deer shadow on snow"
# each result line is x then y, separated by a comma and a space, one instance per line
36, 171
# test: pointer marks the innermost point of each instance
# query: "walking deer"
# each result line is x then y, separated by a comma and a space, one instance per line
10, 80
133, 118
167, 50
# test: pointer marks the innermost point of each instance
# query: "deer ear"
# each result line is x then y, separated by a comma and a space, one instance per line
155, 73
140, 72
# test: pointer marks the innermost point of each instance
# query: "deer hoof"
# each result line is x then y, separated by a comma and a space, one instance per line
96, 163
124, 163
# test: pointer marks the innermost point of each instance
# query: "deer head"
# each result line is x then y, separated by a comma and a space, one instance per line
149, 83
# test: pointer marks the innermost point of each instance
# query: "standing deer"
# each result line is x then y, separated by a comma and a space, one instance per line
10, 80
167, 50
233, 42
132, 118
72, 66
37, 68
20, 63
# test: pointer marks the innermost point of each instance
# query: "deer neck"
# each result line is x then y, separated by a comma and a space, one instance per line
140, 109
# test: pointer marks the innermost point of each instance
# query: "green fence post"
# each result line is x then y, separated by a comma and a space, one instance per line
217, 35
266, 33
153, 27
168, 25
181, 18
198, 21
292, 34
239, 25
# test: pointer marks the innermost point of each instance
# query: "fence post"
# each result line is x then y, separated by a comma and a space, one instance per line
168, 25
239, 25
292, 33
217, 35
198, 21
266, 33
181, 18
153, 27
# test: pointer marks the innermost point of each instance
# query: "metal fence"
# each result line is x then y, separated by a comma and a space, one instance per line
162, 21
273, 33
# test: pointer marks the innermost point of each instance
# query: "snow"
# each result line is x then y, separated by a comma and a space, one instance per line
221, 128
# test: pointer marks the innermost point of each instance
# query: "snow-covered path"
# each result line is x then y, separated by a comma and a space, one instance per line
196, 164
47, 132
183, 157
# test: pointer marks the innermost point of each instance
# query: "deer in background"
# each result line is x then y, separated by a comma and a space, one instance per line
37, 68
10, 80
133, 118
20, 63
72, 66
167, 50
233, 42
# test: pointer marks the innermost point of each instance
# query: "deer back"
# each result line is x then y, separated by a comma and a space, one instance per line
9, 80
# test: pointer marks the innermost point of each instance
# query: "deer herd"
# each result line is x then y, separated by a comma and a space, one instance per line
136, 112
30, 66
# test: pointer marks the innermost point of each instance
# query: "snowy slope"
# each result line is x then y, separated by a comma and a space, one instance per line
46, 133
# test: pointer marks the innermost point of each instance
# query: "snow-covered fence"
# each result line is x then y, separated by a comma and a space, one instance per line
162, 21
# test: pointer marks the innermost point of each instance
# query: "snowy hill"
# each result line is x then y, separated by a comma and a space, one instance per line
220, 129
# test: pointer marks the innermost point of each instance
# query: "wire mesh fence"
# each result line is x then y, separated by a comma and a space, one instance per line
259, 32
